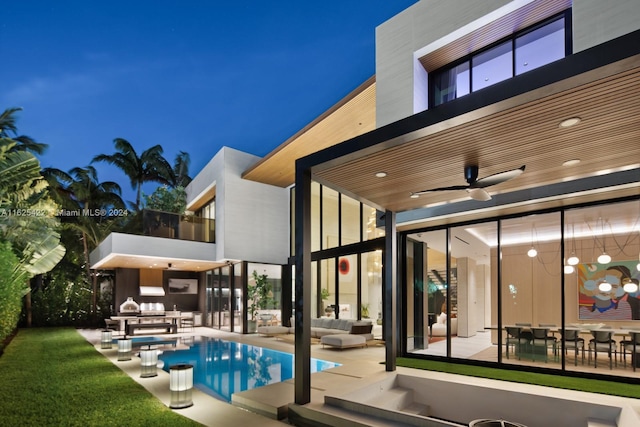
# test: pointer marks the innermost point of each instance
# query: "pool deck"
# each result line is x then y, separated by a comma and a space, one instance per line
265, 405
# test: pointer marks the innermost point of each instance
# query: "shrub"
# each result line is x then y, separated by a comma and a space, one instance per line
11, 291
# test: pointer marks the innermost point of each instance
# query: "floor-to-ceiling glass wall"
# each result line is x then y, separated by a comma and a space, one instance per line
531, 288
471, 260
602, 301
554, 290
428, 312
346, 245
266, 307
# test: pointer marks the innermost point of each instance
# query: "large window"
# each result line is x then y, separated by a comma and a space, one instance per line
508, 290
524, 51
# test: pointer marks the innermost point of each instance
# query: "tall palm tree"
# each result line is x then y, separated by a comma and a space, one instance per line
81, 189
8, 129
150, 166
181, 170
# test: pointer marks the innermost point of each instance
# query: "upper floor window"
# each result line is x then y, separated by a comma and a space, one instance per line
522, 52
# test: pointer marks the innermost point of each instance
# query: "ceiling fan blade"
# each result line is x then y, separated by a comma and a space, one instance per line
452, 188
479, 194
497, 178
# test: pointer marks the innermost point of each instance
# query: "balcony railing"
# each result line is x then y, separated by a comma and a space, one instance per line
173, 226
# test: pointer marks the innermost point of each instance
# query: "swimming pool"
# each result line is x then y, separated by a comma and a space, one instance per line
221, 368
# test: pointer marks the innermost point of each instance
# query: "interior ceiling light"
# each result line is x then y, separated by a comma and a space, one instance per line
605, 286
381, 174
572, 121
414, 195
568, 269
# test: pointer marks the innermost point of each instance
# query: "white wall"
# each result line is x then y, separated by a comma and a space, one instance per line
430, 24
597, 21
255, 216
252, 219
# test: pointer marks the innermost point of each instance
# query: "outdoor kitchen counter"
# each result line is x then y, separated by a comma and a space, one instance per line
168, 316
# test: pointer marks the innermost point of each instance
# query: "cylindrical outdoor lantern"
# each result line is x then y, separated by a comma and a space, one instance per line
148, 362
124, 349
105, 339
181, 384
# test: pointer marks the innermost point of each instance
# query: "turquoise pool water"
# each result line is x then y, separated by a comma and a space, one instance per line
221, 368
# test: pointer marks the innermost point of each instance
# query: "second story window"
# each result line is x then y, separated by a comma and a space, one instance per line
523, 51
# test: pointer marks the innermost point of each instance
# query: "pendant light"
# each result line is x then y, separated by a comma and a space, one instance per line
630, 287
604, 258
573, 259
605, 286
568, 269
531, 253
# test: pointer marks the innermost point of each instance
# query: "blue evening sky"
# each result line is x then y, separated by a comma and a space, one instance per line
191, 75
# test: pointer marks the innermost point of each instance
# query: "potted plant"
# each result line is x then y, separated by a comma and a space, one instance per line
259, 296
364, 310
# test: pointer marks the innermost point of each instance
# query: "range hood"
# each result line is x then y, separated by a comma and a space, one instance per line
151, 291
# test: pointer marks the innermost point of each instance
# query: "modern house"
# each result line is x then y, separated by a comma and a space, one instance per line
472, 185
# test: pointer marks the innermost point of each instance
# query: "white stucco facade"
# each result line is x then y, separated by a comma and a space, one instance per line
252, 219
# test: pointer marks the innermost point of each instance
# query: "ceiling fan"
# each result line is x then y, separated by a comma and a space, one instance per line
476, 187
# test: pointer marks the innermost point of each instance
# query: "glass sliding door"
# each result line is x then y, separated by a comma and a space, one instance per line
371, 289
470, 277
531, 289
427, 289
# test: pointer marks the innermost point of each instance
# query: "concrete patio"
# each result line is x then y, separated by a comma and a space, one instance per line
360, 375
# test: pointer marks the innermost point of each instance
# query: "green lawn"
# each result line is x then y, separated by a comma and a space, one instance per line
557, 381
54, 377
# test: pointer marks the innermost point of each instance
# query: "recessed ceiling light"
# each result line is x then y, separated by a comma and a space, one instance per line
381, 174
572, 121
571, 162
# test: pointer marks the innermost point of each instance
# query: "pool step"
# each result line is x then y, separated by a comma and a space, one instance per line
395, 399
416, 408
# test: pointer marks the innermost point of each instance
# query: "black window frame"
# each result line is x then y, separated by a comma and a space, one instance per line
568, 50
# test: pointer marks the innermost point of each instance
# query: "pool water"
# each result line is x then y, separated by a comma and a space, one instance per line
221, 368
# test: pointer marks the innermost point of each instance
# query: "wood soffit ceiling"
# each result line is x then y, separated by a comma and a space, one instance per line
511, 23
519, 131
354, 115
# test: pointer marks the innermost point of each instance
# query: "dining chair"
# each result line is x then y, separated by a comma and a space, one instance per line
631, 346
603, 341
573, 341
541, 336
516, 339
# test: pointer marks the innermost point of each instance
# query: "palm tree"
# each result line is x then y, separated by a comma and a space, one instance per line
80, 189
181, 170
22, 142
150, 166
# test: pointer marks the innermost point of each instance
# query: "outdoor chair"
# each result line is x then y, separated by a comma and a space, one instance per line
113, 325
603, 341
187, 322
573, 341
